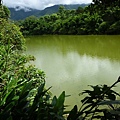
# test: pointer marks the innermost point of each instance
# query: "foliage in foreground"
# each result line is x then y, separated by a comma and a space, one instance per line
100, 103
23, 94
22, 86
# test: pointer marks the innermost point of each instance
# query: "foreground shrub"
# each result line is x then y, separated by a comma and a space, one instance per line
100, 103
23, 95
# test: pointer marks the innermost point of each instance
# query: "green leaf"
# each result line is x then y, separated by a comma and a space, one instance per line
5, 96
24, 95
88, 100
86, 107
115, 112
54, 101
37, 101
1, 63
10, 96
9, 106
111, 96
73, 114
60, 100
15, 98
86, 91
12, 83
85, 99
109, 102
26, 87
40, 89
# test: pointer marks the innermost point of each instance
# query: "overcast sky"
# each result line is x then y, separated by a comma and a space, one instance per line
41, 4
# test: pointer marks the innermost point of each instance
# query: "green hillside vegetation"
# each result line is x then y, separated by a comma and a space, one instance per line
23, 95
100, 17
19, 14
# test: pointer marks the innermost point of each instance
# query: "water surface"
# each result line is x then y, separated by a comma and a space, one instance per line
71, 63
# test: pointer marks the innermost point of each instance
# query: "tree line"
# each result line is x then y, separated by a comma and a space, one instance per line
100, 17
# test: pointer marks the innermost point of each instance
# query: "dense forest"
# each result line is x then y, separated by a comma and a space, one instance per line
99, 17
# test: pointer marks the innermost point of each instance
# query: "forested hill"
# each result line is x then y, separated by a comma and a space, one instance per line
19, 14
22, 13
99, 17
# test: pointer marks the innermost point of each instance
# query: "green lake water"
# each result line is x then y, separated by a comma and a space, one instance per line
71, 63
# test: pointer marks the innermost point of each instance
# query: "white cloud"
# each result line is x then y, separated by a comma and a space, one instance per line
41, 4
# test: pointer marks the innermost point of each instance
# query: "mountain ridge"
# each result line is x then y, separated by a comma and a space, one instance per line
19, 13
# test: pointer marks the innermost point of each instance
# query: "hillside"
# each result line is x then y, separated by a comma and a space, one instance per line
19, 14
22, 14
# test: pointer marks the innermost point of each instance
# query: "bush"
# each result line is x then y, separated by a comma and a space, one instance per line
4, 12
11, 35
22, 86
114, 28
99, 103
103, 27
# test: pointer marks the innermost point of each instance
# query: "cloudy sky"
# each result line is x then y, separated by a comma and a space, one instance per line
41, 4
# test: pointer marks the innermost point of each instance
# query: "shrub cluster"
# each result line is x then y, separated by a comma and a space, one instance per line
23, 95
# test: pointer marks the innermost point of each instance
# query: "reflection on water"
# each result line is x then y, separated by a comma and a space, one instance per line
71, 63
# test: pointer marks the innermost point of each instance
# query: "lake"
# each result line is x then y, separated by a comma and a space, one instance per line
71, 63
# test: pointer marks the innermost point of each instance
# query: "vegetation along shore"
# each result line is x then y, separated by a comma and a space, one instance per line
23, 92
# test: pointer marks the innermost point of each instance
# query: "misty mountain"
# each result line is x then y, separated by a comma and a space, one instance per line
19, 13
22, 13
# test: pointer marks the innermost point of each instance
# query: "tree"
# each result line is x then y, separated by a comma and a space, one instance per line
4, 12
61, 12
80, 10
